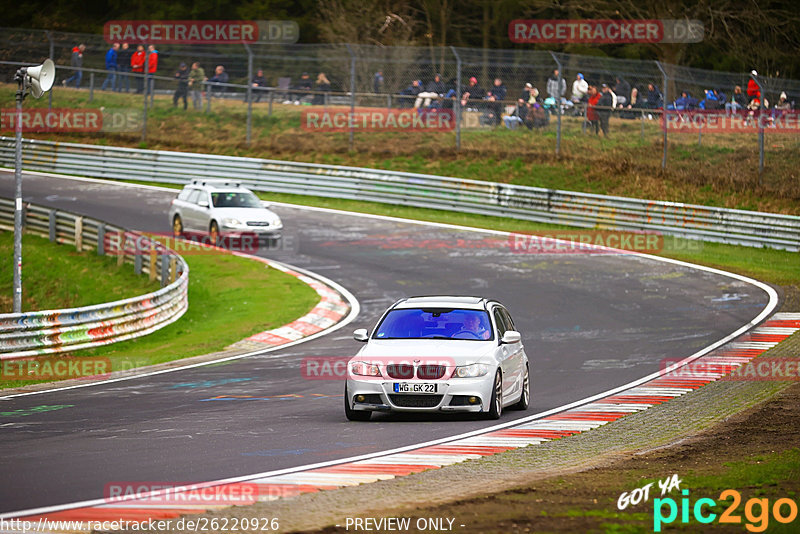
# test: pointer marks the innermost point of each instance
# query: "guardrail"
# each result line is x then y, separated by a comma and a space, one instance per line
51, 331
740, 227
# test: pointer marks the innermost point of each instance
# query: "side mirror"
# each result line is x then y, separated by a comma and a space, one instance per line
511, 337
361, 335
203, 203
266, 204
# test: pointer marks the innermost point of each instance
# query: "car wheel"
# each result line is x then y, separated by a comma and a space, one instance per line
177, 226
351, 414
525, 399
213, 233
496, 405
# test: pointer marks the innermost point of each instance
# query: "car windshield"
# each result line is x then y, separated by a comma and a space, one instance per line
235, 200
435, 323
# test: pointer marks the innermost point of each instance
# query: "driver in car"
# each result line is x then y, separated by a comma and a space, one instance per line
472, 329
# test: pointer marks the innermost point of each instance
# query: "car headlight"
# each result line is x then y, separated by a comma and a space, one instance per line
471, 371
231, 223
364, 369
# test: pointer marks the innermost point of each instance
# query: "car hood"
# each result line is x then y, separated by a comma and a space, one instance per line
247, 214
454, 351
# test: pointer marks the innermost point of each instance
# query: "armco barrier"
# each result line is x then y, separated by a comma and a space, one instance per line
50, 331
567, 208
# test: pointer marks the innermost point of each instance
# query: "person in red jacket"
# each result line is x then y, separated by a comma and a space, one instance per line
137, 67
591, 112
152, 66
752, 88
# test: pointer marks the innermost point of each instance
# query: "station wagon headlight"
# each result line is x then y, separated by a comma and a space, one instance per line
471, 371
231, 223
364, 369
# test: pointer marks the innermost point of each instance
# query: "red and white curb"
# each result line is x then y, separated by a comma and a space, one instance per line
666, 385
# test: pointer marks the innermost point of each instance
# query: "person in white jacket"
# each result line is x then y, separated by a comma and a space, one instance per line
579, 89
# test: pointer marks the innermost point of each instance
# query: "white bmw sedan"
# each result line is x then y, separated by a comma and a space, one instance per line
439, 353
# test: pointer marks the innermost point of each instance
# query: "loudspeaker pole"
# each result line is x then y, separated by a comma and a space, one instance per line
20, 79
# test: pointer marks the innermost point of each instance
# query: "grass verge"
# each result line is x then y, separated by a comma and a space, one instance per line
230, 298
58, 276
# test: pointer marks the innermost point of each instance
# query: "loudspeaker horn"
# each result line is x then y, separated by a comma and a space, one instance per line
41, 78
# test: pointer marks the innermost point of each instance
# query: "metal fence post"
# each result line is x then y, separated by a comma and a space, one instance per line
51, 225
146, 87
101, 239
91, 86
137, 262
352, 92
164, 270
558, 104
664, 115
52, 53
209, 90
271, 96
760, 130
457, 106
249, 92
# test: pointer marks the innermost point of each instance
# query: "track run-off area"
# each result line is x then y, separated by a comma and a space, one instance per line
590, 323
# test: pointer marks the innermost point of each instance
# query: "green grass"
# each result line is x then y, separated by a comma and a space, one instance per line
57, 276
230, 298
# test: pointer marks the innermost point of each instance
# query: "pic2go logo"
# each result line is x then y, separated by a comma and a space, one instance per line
756, 511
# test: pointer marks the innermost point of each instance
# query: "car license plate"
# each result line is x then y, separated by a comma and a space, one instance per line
415, 387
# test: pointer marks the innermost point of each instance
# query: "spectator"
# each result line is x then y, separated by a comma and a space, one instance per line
197, 77
137, 67
434, 89
752, 87
152, 67
605, 103
783, 103
472, 91
496, 96
529, 94
377, 82
711, 101
324, 86
685, 102
111, 67
537, 116
579, 89
304, 83
554, 89
182, 75
517, 116
257, 82
220, 76
655, 99
124, 67
76, 62
623, 91
412, 90
737, 102
591, 109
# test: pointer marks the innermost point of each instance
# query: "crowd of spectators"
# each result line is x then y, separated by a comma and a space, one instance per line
593, 100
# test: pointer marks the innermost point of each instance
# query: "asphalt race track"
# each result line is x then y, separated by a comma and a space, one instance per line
589, 323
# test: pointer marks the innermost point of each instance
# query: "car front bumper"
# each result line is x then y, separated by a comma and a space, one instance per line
452, 396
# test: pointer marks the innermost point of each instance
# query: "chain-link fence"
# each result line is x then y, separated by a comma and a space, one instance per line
482, 88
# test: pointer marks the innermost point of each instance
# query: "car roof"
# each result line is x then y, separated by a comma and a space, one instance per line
217, 185
443, 301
